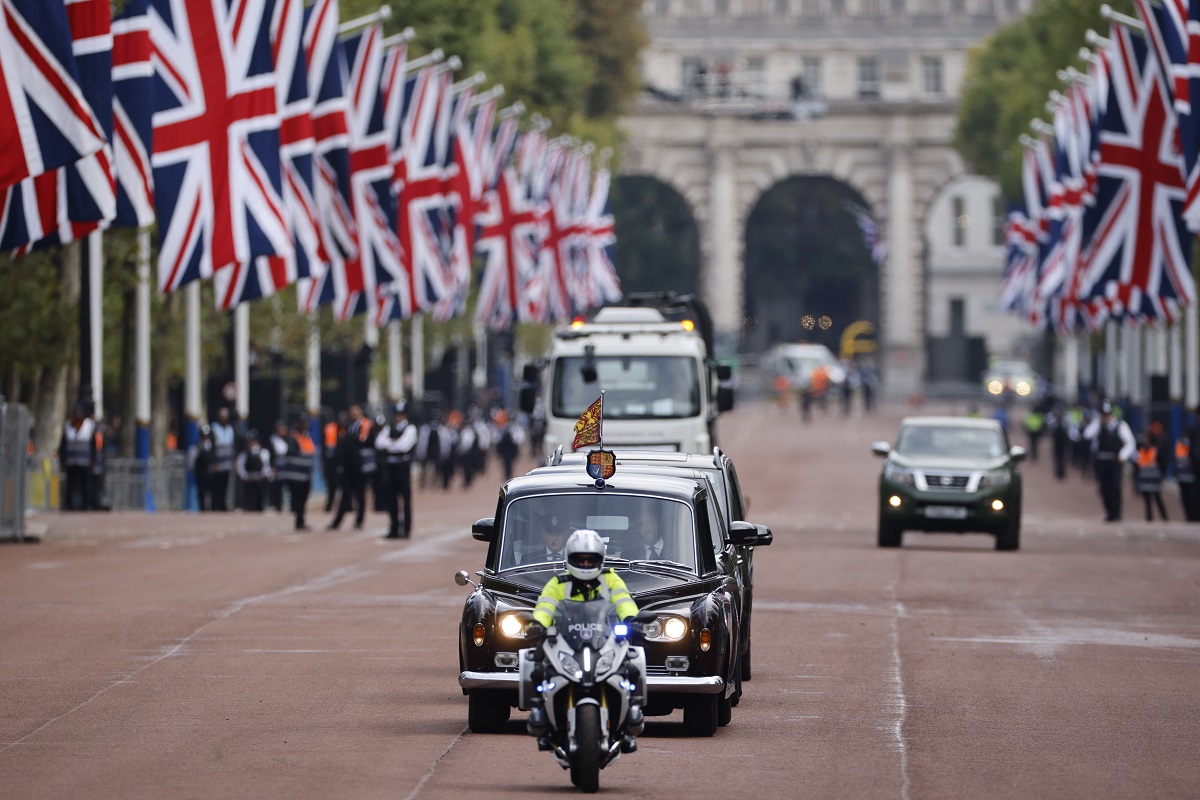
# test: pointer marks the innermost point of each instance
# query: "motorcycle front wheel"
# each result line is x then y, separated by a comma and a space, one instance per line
585, 772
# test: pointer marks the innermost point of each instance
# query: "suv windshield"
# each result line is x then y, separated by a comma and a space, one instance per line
951, 441
633, 527
635, 387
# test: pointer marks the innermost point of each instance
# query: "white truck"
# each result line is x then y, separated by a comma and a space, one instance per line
662, 389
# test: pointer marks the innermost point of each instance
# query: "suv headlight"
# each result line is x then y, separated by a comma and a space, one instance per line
995, 477
898, 474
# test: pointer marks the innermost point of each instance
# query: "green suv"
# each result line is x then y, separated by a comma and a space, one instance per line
950, 475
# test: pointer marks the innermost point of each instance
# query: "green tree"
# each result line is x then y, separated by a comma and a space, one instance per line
1008, 81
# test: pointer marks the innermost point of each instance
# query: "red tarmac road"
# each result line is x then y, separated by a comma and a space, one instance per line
177, 655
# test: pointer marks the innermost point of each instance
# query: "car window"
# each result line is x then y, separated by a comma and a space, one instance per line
736, 502
716, 525
949, 440
535, 526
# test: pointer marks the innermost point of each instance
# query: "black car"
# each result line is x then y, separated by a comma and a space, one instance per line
719, 470
691, 649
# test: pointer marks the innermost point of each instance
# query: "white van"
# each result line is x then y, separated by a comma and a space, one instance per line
796, 362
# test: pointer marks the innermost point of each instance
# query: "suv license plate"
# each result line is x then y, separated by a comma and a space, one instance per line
946, 512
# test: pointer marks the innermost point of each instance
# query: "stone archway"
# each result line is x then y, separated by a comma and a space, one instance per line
658, 240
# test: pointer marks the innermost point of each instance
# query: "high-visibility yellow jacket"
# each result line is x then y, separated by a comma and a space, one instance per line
609, 585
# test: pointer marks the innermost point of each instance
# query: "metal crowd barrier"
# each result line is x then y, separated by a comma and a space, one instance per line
14, 444
157, 484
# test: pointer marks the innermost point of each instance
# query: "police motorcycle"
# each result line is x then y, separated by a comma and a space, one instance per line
584, 686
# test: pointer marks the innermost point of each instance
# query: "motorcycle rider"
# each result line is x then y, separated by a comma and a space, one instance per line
585, 579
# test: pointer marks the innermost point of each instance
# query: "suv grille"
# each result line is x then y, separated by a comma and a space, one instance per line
936, 480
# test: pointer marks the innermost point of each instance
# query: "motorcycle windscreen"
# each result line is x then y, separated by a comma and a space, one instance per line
585, 622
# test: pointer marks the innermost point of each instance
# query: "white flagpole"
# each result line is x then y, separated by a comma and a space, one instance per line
1191, 357
395, 362
241, 360
1070, 376
312, 370
191, 379
417, 335
1111, 359
371, 340
94, 244
384, 13
1175, 365
142, 408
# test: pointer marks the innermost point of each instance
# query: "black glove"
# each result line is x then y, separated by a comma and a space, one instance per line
535, 630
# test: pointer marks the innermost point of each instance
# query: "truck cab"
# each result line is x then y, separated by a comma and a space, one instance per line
662, 391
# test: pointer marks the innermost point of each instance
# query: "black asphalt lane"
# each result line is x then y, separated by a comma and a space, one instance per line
219, 656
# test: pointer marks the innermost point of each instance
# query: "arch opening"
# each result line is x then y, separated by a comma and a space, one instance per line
658, 241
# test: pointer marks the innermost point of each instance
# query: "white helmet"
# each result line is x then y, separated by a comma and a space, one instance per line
585, 554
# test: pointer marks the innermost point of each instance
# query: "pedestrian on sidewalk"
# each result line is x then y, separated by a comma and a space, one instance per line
396, 443
356, 467
1185, 476
254, 471
297, 468
1112, 445
77, 454
1151, 463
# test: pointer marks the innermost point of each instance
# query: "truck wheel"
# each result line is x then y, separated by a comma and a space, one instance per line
889, 533
487, 711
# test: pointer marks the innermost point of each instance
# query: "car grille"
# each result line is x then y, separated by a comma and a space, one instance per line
946, 480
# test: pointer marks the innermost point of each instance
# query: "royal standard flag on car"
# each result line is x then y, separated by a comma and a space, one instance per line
587, 428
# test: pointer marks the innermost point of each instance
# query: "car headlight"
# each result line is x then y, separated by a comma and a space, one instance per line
668, 628
605, 663
995, 387
569, 664
898, 474
995, 477
511, 625
1023, 388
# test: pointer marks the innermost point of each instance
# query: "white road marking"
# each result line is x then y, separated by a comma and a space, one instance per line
433, 767
898, 702
1052, 640
46, 565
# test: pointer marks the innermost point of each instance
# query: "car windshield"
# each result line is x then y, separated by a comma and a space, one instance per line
635, 387
949, 440
634, 527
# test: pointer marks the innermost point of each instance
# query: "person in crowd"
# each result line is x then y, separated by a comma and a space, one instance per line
1000, 414
224, 444
1185, 476
396, 443
467, 450
450, 449
296, 469
429, 448
334, 430
1112, 445
1060, 439
554, 539
537, 429
1151, 464
97, 497
76, 455
254, 471
508, 437
356, 464
783, 391
280, 443
1035, 426
649, 543
199, 461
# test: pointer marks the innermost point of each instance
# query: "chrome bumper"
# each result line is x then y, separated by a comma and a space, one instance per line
674, 684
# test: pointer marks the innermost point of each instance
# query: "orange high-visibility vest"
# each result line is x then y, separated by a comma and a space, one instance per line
306, 445
331, 435
1147, 456
1182, 450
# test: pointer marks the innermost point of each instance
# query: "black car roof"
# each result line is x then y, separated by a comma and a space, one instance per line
570, 479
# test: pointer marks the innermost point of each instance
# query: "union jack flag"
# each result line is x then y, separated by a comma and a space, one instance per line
1173, 30
1021, 259
379, 257
216, 159
1137, 252
872, 232
270, 274
394, 300
45, 120
603, 285
328, 76
67, 203
133, 82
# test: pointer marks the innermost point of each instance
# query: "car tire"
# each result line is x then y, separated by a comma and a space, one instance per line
700, 714
1009, 537
890, 533
725, 704
487, 711
746, 664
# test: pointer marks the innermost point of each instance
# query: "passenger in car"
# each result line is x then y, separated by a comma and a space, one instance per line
648, 541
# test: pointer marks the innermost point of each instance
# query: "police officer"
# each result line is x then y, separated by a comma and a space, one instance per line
224, 451
77, 454
297, 467
395, 444
1185, 475
1150, 468
1112, 445
356, 463
280, 444
254, 470
334, 430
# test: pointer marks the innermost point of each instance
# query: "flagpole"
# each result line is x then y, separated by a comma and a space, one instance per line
417, 336
1111, 353
95, 250
395, 362
1107, 12
312, 390
384, 13
600, 427
1070, 366
403, 37
371, 340
1191, 357
142, 408
191, 383
241, 360
424, 61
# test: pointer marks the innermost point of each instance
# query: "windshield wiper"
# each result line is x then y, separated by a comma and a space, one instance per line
663, 562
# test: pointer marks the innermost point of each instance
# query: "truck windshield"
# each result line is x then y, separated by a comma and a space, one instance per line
635, 387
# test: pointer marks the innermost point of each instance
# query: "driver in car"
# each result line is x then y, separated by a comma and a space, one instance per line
585, 579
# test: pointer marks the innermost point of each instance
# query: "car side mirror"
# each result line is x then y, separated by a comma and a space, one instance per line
482, 529
742, 534
724, 398
462, 579
881, 448
1016, 453
765, 537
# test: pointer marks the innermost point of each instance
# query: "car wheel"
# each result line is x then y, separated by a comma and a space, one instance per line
746, 664
700, 714
725, 704
889, 533
1009, 537
487, 711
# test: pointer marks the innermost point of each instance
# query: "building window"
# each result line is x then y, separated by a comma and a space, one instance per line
868, 78
958, 317
695, 76
959, 221
931, 75
754, 8
998, 220
810, 8
871, 8
810, 74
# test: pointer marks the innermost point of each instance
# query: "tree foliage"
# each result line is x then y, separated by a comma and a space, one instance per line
1008, 81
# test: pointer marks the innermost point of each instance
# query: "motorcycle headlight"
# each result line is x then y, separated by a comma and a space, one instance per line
995, 477
898, 474
569, 664
511, 625
605, 663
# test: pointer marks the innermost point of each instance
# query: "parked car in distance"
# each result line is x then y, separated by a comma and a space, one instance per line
952, 475
1012, 378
